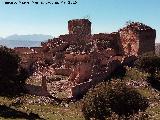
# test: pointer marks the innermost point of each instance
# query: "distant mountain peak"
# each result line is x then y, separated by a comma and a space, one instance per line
15, 40
29, 37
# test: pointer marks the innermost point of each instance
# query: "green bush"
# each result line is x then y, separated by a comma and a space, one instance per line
135, 74
149, 63
119, 72
9, 62
12, 77
95, 105
114, 97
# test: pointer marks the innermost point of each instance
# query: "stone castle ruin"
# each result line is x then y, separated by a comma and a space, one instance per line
85, 59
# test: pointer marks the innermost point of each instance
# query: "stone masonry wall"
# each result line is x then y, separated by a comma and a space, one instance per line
105, 41
147, 41
137, 39
78, 26
130, 42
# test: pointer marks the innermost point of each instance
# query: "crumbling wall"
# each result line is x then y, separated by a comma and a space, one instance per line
147, 41
71, 38
77, 57
130, 42
29, 56
106, 54
137, 39
82, 87
22, 50
36, 49
117, 43
80, 73
62, 71
104, 41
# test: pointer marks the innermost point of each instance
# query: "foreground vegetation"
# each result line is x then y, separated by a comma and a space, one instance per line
50, 109
114, 97
12, 75
133, 95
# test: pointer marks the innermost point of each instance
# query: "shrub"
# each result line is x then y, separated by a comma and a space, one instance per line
135, 74
9, 62
119, 72
12, 77
95, 105
149, 63
116, 97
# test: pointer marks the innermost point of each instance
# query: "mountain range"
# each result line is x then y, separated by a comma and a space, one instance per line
33, 40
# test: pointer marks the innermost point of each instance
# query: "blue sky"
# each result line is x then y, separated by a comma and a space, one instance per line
105, 15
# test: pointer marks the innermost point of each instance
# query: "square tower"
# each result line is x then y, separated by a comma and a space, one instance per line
137, 39
79, 26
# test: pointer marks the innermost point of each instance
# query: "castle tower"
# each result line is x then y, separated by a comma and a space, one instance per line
79, 26
137, 39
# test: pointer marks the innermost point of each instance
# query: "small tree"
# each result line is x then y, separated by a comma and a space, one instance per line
149, 63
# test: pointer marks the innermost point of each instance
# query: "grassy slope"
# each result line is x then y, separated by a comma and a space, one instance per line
46, 111
133, 75
73, 112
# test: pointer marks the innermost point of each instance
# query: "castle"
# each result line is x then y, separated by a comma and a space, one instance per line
87, 58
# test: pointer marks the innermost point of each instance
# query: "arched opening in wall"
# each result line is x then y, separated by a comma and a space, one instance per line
129, 48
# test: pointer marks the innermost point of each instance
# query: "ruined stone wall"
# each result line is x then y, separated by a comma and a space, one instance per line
73, 38
147, 41
130, 42
105, 41
106, 54
80, 73
137, 39
83, 86
22, 50
79, 26
25, 57
48, 56
117, 43
37, 56
29, 56
68, 38
77, 57
26, 61
62, 71
36, 49
26, 53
